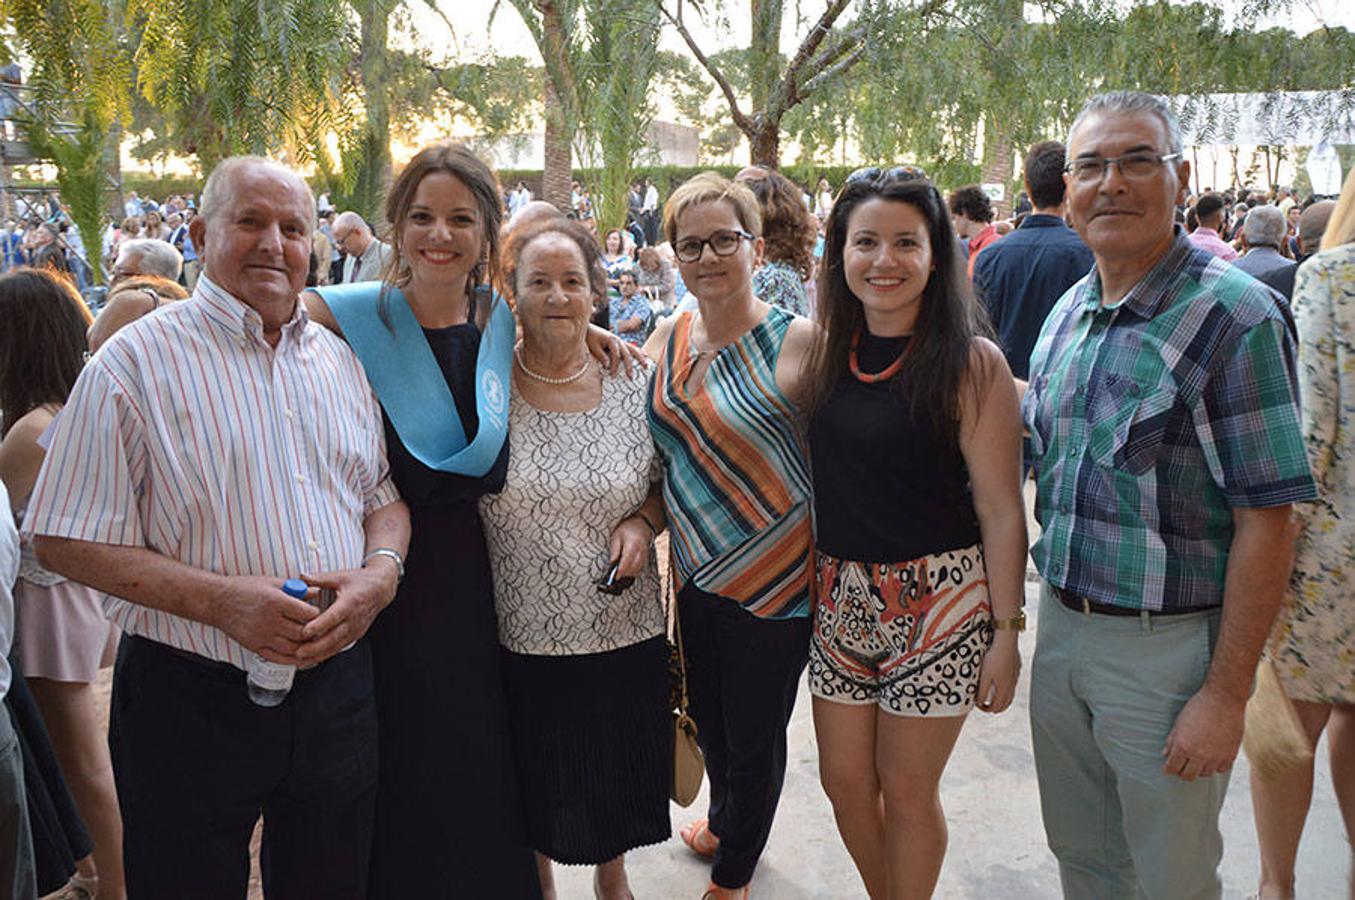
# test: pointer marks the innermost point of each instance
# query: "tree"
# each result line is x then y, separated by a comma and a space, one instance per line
600, 57
774, 87
79, 87
239, 76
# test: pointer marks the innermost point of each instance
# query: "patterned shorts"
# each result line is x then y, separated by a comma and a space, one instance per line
909, 637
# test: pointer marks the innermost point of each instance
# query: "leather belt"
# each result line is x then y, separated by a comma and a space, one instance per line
1081, 604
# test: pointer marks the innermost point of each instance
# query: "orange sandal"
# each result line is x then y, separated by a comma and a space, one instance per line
715, 892
698, 836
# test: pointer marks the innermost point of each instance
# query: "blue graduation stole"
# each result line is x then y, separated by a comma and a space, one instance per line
410, 385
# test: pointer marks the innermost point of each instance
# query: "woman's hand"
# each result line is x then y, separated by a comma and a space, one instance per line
612, 352
997, 676
631, 540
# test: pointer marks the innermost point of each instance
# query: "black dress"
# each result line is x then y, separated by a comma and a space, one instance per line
449, 814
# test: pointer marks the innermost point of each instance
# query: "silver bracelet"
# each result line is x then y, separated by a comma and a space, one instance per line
391, 555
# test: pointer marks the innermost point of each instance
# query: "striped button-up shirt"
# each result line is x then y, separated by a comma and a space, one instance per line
1151, 420
189, 435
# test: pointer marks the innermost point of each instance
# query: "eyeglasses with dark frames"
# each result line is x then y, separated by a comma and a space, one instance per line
1134, 166
724, 243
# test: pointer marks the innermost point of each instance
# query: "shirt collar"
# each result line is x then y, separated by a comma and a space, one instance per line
1043, 220
1155, 289
238, 317
1208, 232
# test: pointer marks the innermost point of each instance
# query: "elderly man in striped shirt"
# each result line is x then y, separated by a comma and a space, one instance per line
208, 452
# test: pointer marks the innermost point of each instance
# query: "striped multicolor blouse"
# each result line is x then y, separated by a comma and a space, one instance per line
736, 472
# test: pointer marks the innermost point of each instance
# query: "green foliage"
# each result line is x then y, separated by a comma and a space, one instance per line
79, 83
240, 76
621, 61
79, 159
600, 57
668, 178
77, 61
939, 74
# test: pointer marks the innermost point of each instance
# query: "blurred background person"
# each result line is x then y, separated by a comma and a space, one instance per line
1313, 640
61, 635
145, 277
788, 235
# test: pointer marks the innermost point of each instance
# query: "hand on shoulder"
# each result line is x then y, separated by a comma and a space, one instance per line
658, 338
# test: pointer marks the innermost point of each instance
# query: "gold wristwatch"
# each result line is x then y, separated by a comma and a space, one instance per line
1015, 623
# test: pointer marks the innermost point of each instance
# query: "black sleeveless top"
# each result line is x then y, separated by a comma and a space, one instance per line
887, 486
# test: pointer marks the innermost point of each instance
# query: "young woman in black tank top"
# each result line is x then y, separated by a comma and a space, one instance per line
915, 440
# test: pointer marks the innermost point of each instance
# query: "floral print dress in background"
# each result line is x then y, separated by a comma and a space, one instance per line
1313, 642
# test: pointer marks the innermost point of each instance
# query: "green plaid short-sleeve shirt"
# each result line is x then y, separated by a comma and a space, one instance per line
1151, 420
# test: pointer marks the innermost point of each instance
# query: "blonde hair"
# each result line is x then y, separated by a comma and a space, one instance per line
1341, 225
709, 187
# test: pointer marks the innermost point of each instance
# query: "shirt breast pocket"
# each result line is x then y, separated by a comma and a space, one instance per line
1128, 423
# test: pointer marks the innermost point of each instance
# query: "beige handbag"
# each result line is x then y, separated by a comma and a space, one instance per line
689, 766
1273, 738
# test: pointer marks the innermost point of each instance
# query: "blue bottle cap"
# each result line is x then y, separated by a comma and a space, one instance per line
295, 587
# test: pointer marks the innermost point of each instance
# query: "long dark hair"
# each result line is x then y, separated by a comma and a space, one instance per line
937, 367
457, 160
42, 343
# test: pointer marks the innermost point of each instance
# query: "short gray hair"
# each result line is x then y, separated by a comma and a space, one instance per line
216, 193
154, 257
1127, 102
1264, 227
351, 220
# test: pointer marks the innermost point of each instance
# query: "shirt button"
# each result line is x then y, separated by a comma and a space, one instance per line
287, 413
1064, 508
1133, 390
300, 479
314, 545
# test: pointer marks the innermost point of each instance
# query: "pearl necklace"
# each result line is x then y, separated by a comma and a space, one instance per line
544, 379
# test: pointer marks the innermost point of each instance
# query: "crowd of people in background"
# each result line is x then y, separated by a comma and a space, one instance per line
284, 442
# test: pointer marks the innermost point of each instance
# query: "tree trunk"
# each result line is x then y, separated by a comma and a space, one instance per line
376, 174
558, 164
764, 64
114, 170
997, 168
764, 143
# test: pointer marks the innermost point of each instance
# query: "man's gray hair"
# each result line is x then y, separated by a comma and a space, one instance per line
216, 193
154, 257
1264, 227
349, 219
1127, 102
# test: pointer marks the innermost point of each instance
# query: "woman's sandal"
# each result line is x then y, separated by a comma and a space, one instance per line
715, 892
698, 836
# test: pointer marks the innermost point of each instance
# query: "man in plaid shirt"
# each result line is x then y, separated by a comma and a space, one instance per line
1164, 422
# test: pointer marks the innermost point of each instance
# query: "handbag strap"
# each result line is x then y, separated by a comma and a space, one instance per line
670, 607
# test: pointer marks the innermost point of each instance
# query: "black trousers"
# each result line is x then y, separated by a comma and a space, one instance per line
742, 676
196, 762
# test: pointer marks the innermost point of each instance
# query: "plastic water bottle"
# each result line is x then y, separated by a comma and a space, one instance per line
269, 682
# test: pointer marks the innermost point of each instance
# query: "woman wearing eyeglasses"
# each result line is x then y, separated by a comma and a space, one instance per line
724, 412
920, 534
